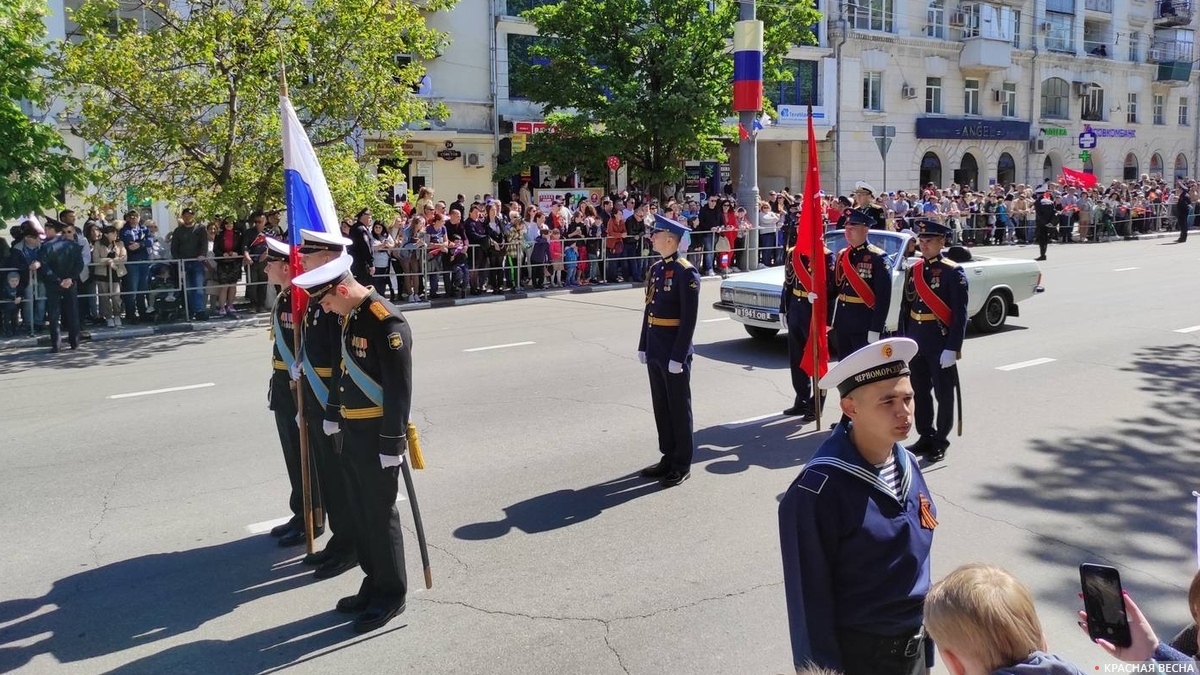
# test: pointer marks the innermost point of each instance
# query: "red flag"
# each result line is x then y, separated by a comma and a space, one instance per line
810, 241
1080, 179
743, 133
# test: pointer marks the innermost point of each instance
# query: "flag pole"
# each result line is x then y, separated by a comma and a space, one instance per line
301, 424
816, 352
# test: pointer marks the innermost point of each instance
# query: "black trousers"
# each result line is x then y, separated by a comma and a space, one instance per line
867, 654
848, 340
799, 324
932, 382
331, 480
372, 499
62, 305
283, 404
1043, 238
671, 395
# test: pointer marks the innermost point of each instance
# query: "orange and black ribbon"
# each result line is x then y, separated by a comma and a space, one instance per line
927, 520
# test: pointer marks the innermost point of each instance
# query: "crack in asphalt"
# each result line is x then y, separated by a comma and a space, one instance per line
1098, 556
435, 547
94, 542
612, 648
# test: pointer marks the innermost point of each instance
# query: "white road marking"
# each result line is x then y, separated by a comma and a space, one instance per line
724, 318
163, 391
1189, 329
511, 344
1126, 269
1025, 364
266, 525
753, 420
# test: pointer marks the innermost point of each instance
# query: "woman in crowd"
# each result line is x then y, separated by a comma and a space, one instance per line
514, 246
768, 234
87, 289
229, 253
494, 227
408, 253
108, 267
381, 249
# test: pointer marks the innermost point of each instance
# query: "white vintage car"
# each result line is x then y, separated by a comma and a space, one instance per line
996, 286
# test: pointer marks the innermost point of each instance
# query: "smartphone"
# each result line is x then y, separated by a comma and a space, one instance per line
1104, 602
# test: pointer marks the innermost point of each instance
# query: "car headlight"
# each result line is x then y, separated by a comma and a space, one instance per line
726, 294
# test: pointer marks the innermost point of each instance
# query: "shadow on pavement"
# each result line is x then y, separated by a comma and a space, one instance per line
137, 602
748, 352
770, 444
103, 353
1126, 488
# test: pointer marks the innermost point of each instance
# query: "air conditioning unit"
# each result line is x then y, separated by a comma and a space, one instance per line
958, 19
1154, 55
1037, 145
1083, 88
473, 159
1045, 27
998, 96
908, 92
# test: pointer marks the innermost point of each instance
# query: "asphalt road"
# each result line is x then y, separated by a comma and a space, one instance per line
127, 522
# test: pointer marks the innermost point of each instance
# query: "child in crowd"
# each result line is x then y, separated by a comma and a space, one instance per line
459, 271
571, 258
539, 257
10, 303
556, 258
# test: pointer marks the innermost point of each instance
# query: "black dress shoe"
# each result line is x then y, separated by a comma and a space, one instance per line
319, 558
297, 537
936, 455
923, 446
675, 478
336, 566
377, 615
280, 530
656, 471
795, 411
353, 604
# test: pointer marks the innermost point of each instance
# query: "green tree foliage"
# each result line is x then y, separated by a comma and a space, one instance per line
185, 94
35, 164
646, 80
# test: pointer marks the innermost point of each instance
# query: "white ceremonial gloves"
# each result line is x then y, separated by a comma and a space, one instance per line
294, 370
872, 337
674, 367
642, 358
948, 358
330, 428
389, 461
812, 298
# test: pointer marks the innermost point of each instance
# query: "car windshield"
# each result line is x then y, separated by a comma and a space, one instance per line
890, 242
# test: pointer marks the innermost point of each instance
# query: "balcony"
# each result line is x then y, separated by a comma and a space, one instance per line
1098, 6
1173, 12
1174, 73
985, 53
1170, 52
987, 37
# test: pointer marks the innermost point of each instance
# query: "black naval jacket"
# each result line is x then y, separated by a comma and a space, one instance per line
870, 261
282, 343
948, 281
320, 353
377, 342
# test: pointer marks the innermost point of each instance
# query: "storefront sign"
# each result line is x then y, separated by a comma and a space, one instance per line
545, 198
449, 155
528, 127
792, 115
958, 128
1054, 131
1114, 133
519, 142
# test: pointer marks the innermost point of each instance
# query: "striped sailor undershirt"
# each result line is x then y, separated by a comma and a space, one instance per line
889, 473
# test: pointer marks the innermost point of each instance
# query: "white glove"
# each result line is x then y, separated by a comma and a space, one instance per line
812, 298
674, 367
294, 370
330, 428
388, 461
297, 420
948, 358
642, 358
872, 336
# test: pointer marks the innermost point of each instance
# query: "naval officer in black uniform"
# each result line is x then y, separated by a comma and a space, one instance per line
856, 528
665, 346
933, 312
864, 288
282, 398
796, 305
372, 394
864, 200
320, 355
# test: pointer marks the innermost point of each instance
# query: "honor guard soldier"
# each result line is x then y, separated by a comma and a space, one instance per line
933, 311
864, 200
320, 355
665, 346
856, 527
282, 398
864, 288
796, 305
373, 393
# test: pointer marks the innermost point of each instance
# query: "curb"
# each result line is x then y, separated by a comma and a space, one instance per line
127, 333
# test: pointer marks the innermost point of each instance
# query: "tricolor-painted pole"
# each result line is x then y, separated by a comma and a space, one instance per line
747, 102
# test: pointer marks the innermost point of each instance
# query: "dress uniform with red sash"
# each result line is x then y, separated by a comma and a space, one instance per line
933, 311
864, 288
795, 304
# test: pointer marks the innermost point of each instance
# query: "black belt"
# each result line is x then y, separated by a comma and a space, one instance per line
908, 645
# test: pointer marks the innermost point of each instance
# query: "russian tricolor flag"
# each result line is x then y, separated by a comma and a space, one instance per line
747, 66
305, 192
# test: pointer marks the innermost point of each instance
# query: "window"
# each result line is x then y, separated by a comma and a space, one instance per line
1015, 15
873, 92
1183, 111
1134, 38
801, 90
933, 95
521, 62
1160, 102
1093, 105
516, 7
871, 15
1131, 109
935, 20
1156, 166
1056, 98
1061, 34
988, 21
1130, 168
1008, 103
971, 97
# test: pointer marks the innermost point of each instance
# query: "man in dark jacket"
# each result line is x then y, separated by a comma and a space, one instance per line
59, 265
363, 268
710, 219
189, 243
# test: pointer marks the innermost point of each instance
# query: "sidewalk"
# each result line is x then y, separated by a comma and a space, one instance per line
98, 334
